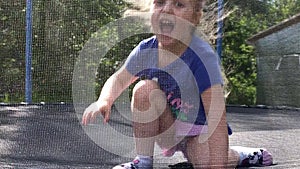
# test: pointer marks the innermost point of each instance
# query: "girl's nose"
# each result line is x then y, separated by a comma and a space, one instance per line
168, 7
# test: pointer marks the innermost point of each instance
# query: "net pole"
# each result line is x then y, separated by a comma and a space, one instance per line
220, 27
28, 53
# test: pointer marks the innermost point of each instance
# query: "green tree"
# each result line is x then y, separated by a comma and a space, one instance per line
239, 60
283, 9
12, 47
61, 29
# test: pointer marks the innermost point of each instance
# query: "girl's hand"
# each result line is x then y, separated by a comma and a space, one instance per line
95, 109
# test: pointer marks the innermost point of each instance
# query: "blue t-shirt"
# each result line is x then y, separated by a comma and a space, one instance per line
183, 80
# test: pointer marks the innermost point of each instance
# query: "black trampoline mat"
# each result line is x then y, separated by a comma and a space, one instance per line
51, 136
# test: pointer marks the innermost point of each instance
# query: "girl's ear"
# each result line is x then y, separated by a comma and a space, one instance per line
198, 15
198, 10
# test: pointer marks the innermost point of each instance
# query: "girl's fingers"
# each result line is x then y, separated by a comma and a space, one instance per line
93, 116
91, 113
88, 114
106, 116
85, 118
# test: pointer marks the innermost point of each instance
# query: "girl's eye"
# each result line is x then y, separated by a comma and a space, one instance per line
159, 2
179, 4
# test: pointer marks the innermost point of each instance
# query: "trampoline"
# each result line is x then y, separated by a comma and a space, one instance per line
51, 136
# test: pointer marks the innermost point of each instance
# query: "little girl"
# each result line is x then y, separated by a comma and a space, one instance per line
178, 101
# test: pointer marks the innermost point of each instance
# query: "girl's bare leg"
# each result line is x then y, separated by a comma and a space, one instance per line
233, 158
166, 139
212, 151
198, 155
148, 103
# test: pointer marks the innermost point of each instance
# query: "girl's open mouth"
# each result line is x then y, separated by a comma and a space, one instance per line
166, 26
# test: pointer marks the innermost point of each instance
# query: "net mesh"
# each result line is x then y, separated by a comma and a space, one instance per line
60, 29
12, 47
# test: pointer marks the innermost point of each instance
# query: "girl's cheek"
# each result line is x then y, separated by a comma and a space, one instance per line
154, 23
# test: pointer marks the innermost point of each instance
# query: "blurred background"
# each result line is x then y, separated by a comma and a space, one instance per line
60, 29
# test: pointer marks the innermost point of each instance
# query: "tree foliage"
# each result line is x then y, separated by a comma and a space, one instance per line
62, 27
12, 64
249, 17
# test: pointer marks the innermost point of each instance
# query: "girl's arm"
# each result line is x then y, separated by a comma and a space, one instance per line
115, 85
111, 90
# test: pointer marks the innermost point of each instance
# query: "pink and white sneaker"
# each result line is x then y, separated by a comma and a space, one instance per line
135, 164
253, 156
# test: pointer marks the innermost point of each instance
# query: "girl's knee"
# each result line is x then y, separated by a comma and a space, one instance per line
147, 93
148, 101
144, 88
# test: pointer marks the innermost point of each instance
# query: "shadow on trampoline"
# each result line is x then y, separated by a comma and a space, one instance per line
50, 136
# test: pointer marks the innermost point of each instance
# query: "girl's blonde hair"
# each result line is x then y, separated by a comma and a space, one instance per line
145, 5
